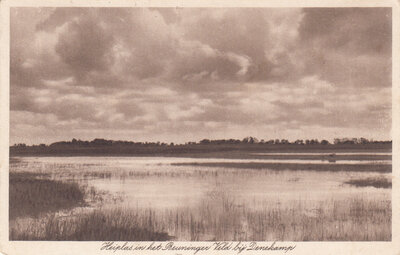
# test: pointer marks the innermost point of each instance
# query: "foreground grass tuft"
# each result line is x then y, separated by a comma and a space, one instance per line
98, 225
30, 196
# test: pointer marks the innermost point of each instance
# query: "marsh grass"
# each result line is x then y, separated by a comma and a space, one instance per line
38, 205
98, 225
30, 195
371, 182
14, 160
356, 220
36, 200
219, 217
336, 167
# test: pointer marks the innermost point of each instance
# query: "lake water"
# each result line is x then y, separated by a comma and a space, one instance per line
193, 202
323, 153
154, 182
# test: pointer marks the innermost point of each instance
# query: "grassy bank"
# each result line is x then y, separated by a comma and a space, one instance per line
320, 155
380, 168
111, 225
31, 196
35, 200
372, 182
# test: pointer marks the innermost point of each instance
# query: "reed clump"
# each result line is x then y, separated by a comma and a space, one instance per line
97, 225
371, 182
31, 195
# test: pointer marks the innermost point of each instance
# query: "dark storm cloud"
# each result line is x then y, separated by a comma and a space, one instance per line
230, 31
59, 16
84, 47
248, 34
185, 73
349, 46
341, 29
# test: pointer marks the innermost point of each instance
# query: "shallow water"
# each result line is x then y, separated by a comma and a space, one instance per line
154, 182
133, 161
198, 203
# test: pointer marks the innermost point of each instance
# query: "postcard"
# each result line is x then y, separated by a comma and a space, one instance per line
199, 127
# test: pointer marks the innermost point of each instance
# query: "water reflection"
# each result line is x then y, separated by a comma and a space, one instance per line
154, 182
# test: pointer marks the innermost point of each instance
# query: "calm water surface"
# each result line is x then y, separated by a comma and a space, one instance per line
154, 182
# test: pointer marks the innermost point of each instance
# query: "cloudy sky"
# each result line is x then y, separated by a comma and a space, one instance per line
178, 75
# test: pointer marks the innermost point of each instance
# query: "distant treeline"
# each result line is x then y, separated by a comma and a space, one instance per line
247, 140
111, 147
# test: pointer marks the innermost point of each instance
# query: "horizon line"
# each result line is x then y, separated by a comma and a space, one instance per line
251, 139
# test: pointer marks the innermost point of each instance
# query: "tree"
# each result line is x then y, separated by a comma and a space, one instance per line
298, 141
284, 141
324, 142
205, 141
250, 139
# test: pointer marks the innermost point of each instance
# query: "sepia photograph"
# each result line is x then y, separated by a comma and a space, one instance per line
219, 125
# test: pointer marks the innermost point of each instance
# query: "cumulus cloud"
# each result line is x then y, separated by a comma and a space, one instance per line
184, 74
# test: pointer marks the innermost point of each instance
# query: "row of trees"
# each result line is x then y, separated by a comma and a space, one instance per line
252, 140
246, 140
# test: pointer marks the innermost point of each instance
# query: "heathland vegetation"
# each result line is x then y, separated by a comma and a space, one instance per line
31, 196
